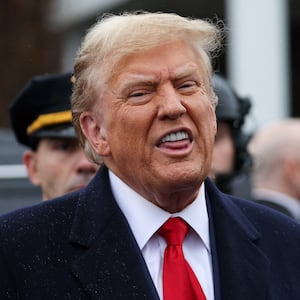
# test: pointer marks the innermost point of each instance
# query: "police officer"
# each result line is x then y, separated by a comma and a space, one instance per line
41, 119
231, 162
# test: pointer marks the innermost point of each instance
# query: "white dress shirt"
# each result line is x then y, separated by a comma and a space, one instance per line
145, 219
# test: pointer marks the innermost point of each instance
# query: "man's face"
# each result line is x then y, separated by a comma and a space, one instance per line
58, 166
223, 155
157, 125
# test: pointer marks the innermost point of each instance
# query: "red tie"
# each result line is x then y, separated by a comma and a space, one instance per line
179, 280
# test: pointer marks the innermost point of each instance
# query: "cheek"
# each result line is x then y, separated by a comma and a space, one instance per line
131, 126
208, 125
52, 166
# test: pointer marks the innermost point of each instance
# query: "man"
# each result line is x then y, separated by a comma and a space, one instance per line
231, 161
41, 120
143, 103
276, 172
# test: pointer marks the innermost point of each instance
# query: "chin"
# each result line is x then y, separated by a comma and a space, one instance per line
184, 179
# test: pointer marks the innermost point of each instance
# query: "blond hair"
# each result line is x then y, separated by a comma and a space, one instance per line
115, 37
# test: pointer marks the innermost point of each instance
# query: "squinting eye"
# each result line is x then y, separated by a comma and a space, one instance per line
188, 85
139, 97
137, 94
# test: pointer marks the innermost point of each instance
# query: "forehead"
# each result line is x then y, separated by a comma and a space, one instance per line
169, 60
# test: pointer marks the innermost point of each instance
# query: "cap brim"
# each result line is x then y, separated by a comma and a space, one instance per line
67, 132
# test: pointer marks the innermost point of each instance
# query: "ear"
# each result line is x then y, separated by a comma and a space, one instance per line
215, 123
291, 168
30, 162
215, 126
95, 133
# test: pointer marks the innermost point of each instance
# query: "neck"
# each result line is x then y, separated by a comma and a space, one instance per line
174, 201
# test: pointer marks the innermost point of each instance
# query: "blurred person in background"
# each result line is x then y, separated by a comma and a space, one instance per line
41, 120
231, 161
275, 149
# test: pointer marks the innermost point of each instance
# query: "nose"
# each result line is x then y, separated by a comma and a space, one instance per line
170, 104
84, 166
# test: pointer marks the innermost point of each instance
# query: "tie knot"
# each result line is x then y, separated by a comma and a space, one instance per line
174, 231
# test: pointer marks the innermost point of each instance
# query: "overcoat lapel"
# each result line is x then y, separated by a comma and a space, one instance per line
111, 266
243, 268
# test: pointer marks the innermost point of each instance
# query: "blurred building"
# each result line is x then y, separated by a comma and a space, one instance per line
261, 54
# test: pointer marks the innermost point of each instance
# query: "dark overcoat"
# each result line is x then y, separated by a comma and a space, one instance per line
80, 246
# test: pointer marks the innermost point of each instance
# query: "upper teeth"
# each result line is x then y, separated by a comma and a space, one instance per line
176, 136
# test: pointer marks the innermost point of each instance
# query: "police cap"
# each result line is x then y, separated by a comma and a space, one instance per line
43, 109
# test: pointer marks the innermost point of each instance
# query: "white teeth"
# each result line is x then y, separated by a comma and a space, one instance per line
173, 137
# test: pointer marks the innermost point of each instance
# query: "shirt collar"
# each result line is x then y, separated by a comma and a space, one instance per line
145, 218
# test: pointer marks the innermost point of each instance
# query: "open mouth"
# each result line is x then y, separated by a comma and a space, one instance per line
175, 137
175, 141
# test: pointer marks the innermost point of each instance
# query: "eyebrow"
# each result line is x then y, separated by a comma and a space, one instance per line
134, 79
184, 71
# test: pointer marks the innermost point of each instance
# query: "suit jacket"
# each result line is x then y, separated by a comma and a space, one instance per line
80, 246
274, 205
